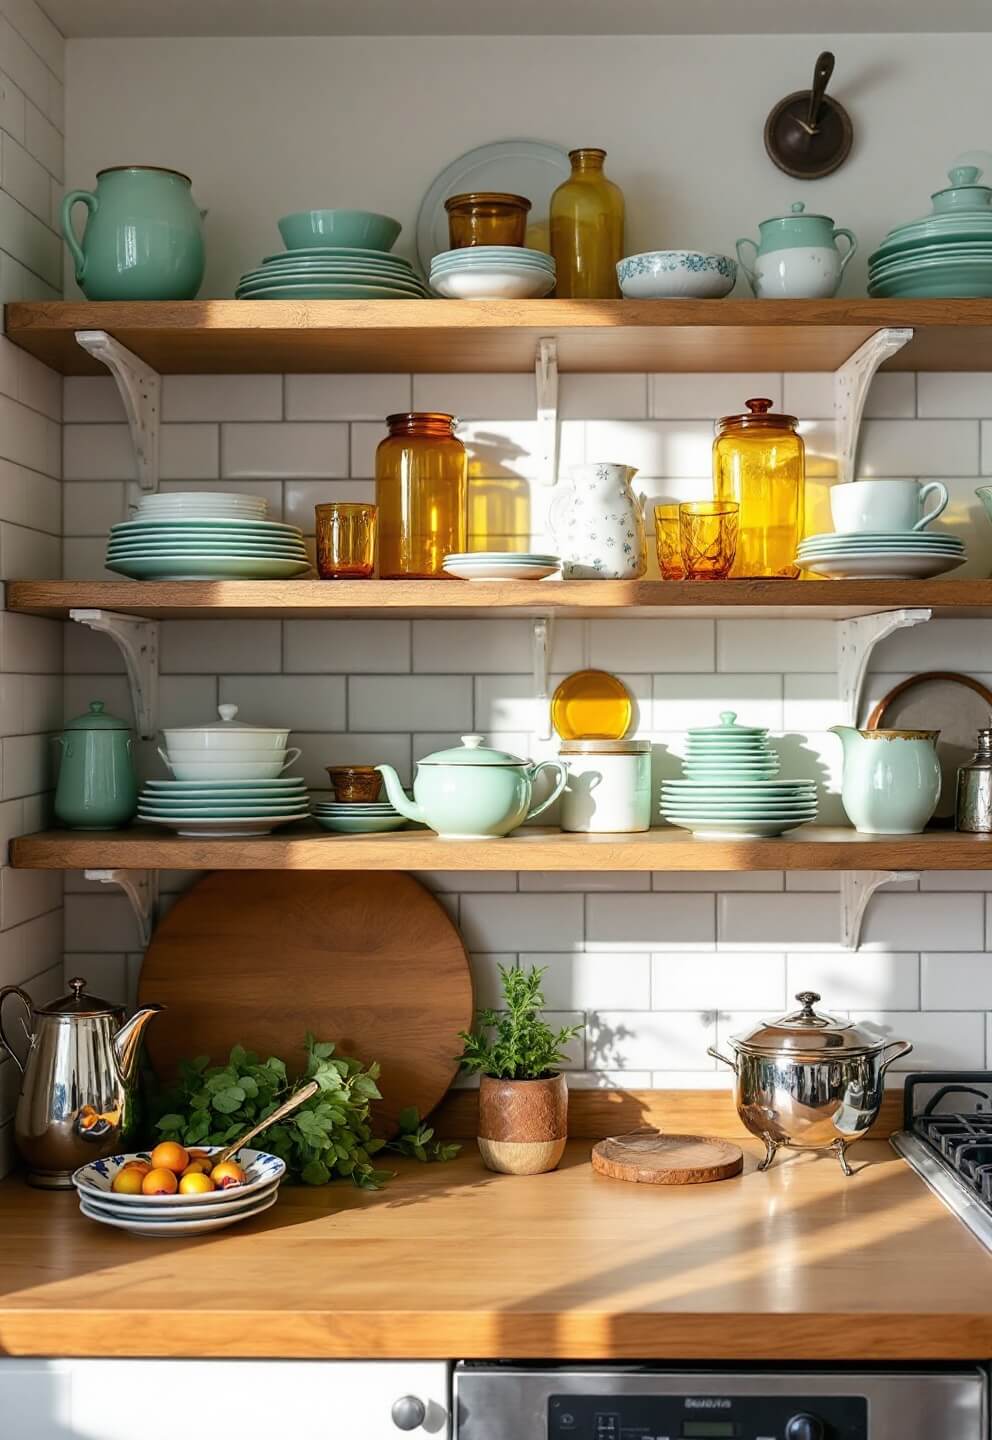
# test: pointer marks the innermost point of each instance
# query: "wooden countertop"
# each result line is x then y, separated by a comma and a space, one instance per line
452, 1261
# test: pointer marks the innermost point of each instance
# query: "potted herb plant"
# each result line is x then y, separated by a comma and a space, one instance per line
523, 1099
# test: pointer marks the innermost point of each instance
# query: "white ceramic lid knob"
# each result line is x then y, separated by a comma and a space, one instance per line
472, 742
227, 712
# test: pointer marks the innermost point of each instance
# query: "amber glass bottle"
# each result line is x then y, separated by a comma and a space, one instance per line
587, 230
421, 483
759, 460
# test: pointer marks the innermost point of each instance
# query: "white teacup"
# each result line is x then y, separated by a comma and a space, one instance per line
884, 505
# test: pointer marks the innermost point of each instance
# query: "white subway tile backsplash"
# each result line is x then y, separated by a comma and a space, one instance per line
476, 397
743, 645
221, 397
937, 645
28, 554
859, 979
918, 447
705, 397
949, 394
613, 397
584, 882
303, 496
530, 923
786, 921
581, 981
651, 645
684, 701
303, 702
322, 750
39, 135
296, 450
100, 923
97, 451
654, 447
30, 645
190, 452
346, 397
892, 396
716, 982
28, 437
346, 647
23, 177
91, 399
956, 981
943, 1040
90, 507
924, 922
487, 646
650, 922
210, 646
382, 702
631, 1039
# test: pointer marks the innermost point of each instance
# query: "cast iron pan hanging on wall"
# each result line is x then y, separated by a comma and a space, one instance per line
809, 134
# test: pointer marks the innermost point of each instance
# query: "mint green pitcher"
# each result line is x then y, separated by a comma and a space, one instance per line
143, 238
97, 786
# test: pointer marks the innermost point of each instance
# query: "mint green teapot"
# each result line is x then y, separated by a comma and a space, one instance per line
97, 786
143, 238
471, 792
797, 256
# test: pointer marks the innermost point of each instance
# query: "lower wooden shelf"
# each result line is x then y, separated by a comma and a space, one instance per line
304, 847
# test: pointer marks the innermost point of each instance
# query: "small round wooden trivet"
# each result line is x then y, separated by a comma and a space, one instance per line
667, 1159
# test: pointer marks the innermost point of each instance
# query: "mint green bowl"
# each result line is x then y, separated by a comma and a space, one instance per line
349, 228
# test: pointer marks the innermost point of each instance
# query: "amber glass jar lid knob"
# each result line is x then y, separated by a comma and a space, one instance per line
758, 407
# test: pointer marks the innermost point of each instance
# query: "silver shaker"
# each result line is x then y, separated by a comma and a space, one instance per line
973, 811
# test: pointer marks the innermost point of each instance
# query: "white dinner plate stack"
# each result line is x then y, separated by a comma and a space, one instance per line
221, 808
170, 1216
731, 789
501, 565
882, 555
187, 538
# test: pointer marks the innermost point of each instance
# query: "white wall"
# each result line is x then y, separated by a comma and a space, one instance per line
269, 126
31, 121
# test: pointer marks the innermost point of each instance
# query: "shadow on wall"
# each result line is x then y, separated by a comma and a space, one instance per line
499, 508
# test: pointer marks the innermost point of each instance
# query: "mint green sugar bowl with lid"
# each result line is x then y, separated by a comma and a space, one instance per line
97, 787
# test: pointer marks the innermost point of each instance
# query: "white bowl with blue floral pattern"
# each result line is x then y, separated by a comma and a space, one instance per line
676, 275
96, 1179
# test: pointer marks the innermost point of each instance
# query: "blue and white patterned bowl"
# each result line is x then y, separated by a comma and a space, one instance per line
97, 1177
676, 275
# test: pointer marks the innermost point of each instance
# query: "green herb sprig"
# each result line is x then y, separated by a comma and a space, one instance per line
515, 1043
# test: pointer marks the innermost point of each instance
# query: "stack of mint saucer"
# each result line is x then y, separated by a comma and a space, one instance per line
365, 817
881, 555
223, 807
731, 788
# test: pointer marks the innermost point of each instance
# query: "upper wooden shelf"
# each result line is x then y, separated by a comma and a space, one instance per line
240, 336
572, 599
299, 847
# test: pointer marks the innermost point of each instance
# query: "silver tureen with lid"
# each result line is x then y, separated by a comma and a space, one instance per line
810, 1080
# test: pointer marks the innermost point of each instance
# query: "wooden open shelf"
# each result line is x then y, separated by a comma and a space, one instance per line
242, 336
304, 847
572, 599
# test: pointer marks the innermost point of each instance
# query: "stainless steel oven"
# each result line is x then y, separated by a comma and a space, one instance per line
578, 1402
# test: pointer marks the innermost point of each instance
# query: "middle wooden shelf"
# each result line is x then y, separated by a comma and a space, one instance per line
304, 847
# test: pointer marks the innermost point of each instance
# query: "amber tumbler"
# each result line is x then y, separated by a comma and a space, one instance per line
486, 218
345, 540
668, 542
708, 537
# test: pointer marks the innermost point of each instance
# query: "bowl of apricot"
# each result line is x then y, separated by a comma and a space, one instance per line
172, 1175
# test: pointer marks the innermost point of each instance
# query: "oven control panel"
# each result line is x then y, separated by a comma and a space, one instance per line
707, 1417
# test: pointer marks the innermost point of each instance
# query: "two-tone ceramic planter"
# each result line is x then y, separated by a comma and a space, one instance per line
523, 1124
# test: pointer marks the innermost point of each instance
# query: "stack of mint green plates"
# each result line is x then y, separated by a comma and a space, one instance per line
202, 547
947, 254
881, 555
367, 818
333, 272
731, 788
493, 272
223, 807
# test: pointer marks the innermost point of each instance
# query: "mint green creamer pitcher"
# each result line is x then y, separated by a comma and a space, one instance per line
97, 786
143, 238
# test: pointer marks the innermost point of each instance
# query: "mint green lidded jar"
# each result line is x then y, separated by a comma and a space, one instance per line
797, 256
143, 238
97, 787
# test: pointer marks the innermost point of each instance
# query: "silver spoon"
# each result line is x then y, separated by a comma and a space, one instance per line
293, 1103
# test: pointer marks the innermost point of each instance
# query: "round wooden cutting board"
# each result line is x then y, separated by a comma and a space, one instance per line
668, 1159
370, 961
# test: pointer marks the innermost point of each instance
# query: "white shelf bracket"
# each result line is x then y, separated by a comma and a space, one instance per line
141, 888
851, 384
137, 640
541, 631
856, 889
546, 377
856, 639
141, 391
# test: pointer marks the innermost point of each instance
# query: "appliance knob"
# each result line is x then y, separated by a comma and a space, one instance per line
408, 1412
804, 1427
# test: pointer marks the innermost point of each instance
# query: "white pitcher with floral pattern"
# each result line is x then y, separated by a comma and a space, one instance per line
598, 525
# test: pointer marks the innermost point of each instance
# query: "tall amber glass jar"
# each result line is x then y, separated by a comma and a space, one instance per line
421, 484
759, 460
587, 230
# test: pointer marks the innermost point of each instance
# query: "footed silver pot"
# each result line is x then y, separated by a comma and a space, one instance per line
809, 1080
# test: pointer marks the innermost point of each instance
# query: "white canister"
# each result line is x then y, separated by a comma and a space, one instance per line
609, 786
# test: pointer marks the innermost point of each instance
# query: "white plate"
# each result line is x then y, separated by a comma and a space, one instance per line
169, 1229
275, 786
516, 557
165, 1213
96, 1178
514, 167
220, 829
508, 283
747, 787
883, 566
500, 570
201, 522
737, 830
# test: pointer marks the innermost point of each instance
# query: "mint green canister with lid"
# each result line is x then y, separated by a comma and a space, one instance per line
143, 238
97, 786
796, 257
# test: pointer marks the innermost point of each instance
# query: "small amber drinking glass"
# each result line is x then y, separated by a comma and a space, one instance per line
708, 537
668, 542
345, 541
486, 218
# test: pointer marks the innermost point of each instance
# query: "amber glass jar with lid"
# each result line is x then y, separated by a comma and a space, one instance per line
587, 230
421, 485
759, 460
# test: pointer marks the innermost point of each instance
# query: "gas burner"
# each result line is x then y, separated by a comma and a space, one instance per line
947, 1139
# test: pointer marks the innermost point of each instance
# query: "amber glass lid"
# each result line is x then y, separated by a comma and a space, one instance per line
591, 705
760, 415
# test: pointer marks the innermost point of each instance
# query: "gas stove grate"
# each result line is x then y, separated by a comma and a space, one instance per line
947, 1138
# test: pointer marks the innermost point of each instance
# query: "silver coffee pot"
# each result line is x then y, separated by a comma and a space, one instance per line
973, 810
78, 1081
